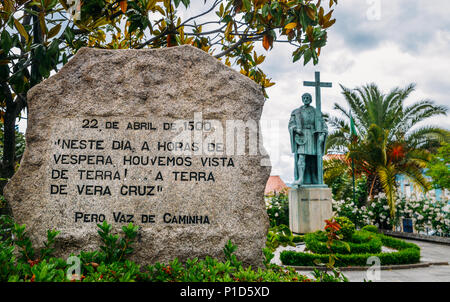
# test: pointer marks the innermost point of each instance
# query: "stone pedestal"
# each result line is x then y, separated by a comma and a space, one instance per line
309, 206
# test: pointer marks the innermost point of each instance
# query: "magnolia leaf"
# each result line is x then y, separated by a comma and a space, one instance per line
260, 59
160, 10
64, 4
328, 24
8, 6
327, 17
42, 22
321, 14
21, 30
54, 31
123, 6
247, 4
311, 13
291, 25
267, 42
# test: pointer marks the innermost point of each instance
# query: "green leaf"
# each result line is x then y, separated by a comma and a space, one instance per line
54, 31
307, 56
248, 5
6, 42
21, 30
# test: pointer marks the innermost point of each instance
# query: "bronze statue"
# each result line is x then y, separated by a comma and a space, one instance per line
308, 132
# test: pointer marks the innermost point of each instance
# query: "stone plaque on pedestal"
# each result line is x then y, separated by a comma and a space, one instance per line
309, 206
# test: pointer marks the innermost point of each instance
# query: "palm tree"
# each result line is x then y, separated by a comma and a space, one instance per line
389, 140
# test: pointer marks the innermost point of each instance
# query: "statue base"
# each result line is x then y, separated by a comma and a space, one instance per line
309, 206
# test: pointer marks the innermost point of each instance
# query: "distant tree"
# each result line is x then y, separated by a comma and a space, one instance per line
439, 168
388, 141
37, 37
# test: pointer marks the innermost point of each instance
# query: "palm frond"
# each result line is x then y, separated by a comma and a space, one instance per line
387, 176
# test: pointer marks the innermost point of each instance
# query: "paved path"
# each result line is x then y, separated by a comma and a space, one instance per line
430, 252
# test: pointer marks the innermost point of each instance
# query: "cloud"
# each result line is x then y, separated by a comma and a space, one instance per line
409, 44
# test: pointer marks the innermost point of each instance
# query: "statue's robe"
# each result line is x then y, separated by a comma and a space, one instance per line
305, 118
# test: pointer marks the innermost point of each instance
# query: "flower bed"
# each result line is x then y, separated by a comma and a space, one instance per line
407, 253
360, 242
20, 262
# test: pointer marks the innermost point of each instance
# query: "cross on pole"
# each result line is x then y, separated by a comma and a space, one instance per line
318, 121
318, 85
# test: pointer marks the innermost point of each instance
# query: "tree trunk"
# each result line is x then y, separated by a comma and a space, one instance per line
373, 186
9, 150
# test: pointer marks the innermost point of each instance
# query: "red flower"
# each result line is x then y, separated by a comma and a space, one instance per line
332, 225
33, 262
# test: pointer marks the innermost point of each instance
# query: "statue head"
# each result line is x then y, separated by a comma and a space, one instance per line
306, 98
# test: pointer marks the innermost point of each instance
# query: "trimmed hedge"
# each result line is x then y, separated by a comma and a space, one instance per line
407, 253
361, 242
347, 227
298, 238
370, 228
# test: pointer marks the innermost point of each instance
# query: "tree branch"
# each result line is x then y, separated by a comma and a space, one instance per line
200, 15
234, 46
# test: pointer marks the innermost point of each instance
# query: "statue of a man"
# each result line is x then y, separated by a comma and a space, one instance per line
308, 132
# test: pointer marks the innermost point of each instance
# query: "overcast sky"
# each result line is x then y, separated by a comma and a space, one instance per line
388, 42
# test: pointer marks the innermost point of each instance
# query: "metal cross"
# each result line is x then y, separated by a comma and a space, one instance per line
318, 85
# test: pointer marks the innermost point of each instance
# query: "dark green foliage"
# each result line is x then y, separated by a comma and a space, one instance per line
439, 167
389, 140
213, 270
114, 248
298, 238
279, 235
109, 264
229, 250
20, 143
347, 227
7, 261
22, 240
407, 253
278, 209
362, 242
323, 276
6, 226
339, 178
370, 228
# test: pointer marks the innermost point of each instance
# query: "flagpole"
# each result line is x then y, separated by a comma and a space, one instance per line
353, 176
353, 136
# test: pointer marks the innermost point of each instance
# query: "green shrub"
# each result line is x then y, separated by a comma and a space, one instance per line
347, 227
277, 206
360, 242
407, 253
370, 228
279, 235
298, 238
109, 264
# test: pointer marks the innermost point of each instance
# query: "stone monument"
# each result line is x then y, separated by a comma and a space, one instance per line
148, 137
309, 198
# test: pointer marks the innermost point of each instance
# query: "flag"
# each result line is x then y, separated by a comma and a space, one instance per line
352, 127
